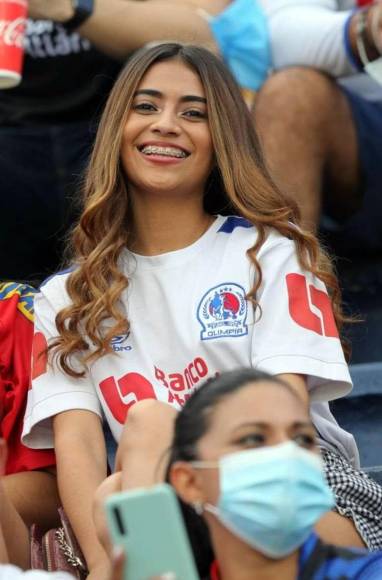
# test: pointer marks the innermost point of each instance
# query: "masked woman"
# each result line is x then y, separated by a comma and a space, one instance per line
244, 457
187, 261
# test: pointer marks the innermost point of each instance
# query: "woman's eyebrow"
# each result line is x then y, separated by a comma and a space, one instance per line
302, 424
158, 94
257, 424
263, 425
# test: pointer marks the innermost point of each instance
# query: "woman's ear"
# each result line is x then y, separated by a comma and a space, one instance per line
187, 482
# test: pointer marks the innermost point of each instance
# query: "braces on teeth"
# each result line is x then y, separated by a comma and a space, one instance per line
169, 151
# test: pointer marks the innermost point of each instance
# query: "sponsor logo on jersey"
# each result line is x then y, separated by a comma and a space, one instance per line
309, 307
118, 343
222, 312
120, 394
181, 384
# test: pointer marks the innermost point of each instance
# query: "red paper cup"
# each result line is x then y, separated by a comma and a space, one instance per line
13, 18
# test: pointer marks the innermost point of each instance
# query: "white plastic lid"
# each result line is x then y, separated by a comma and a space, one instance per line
9, 78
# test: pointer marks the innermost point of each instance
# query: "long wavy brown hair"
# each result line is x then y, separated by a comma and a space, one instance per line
239, 184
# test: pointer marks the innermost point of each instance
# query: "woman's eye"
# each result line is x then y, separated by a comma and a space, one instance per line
252, 440
195, 113
305, 440
144, 107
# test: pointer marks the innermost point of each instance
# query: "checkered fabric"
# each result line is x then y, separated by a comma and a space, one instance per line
357, 497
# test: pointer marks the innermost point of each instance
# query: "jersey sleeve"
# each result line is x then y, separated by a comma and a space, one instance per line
16, 336
316, 25
53, 391
296, 331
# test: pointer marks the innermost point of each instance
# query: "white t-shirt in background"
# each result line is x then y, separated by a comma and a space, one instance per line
312, 33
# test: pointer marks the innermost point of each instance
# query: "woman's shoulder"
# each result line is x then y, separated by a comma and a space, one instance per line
236, 228
53, 289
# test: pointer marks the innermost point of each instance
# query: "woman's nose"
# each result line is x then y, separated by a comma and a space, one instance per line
166, 123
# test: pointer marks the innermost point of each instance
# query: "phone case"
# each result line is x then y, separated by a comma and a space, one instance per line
148, 524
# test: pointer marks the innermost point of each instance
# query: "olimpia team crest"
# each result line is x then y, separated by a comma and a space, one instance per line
222, 312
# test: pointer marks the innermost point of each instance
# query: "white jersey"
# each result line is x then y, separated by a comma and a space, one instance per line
189, 320
312, 33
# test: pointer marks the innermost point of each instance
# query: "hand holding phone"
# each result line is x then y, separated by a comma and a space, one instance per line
148, 525
118, 565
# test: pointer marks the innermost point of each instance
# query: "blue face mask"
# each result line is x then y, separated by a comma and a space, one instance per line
272, 497
241, 33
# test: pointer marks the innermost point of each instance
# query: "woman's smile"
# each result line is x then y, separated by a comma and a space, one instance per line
163, 152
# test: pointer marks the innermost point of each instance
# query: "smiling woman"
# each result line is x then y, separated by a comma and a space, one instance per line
187, 250
167, 147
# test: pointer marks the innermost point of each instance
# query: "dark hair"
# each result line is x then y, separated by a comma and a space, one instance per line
193, 420
191, 424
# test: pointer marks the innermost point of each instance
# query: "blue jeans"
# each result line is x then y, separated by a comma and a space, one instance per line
39, 175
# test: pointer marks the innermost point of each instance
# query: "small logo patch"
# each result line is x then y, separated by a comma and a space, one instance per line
117, 343
222, 312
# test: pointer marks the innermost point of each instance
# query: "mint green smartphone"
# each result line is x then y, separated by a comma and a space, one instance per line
148, 525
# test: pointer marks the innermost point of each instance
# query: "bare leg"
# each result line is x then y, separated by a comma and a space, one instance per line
307, 132
35, 497
339, 530
14, 541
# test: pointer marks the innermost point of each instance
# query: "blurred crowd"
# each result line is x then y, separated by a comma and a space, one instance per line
283, 115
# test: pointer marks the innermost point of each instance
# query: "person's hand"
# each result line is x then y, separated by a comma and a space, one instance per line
103, 570
119, 564
56, 10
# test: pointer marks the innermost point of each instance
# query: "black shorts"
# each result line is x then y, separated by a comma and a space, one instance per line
363, 231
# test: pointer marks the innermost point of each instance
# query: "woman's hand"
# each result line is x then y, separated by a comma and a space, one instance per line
104, 570
118, 567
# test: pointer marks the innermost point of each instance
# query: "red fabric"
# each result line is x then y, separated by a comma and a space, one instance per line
16, 334
214, 571
364, 2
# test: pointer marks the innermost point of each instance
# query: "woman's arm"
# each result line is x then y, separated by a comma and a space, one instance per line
81, 467
11, 525
119, 27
